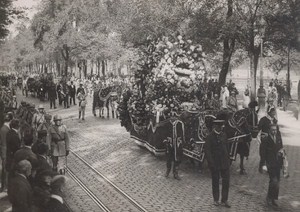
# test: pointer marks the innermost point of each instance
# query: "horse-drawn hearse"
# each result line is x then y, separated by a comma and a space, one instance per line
190, 129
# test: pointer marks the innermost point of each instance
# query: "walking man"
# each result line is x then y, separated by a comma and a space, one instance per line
217, 156
263, 129
272, 154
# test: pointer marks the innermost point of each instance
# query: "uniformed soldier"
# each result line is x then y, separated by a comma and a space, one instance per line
39, 117
59, 142
45, 125
232, 102
217, 156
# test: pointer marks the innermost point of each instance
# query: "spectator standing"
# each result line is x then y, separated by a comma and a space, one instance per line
52, 94
56, 202
72, 89
80, 88
246, 98
82, 104
13, 143
224, 96
3, 142
19, 189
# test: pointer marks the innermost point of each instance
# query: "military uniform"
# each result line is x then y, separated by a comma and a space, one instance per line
232, 104
38, 119
59, 143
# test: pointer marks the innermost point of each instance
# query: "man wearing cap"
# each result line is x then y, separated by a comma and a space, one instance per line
272, 154
45, 125
59, 141
232, 102
263, 129
80, 89
3, 142
217, 156
39, 117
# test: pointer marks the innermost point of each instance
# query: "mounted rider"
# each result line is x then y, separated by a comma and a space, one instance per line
59, 141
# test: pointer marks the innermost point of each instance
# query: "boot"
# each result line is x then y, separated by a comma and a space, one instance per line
79, 114
175, 172
167, 172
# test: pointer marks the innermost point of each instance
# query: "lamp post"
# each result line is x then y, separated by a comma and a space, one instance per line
261, 92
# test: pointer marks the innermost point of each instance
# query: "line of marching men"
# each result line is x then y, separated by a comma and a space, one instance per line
33, 162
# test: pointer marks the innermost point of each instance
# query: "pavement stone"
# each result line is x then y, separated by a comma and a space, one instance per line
108, 148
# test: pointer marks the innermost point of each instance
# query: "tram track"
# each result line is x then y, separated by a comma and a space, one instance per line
123, 198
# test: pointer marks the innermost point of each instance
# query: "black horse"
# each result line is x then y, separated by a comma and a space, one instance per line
240, 128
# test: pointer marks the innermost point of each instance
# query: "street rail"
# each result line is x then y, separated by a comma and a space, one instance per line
98, 202
114, 186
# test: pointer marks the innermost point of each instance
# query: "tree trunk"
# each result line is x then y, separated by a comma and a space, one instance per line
103, 67
254, 56
228, 48
66, 56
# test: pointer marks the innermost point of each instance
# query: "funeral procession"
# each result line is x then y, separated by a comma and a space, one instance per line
149, 105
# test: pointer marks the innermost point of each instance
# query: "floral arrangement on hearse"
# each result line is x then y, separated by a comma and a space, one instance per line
167, 77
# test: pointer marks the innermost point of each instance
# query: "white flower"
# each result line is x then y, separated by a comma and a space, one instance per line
191, 66
192, 48
166, 50
179, 37
189, 41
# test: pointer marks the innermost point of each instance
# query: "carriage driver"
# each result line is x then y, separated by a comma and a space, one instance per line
39, 117
59, 143
217, 156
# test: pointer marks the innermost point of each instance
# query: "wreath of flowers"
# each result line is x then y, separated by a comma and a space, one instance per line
168, 75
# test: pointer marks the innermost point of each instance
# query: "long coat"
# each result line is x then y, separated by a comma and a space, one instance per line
20, 194
13, 145
59, 140
270, 151
216, 151
3, 144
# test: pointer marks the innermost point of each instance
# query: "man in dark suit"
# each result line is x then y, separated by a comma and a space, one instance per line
56, 202
13, 143
25, 153
272, 154
19, 189
72, 90
3, 147
80, 89
217, 156
52, 94
42, 163
263, 128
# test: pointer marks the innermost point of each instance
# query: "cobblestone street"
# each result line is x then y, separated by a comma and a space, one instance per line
106, 145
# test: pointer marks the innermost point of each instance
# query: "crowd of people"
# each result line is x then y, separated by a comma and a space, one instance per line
34, 155
33, 160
